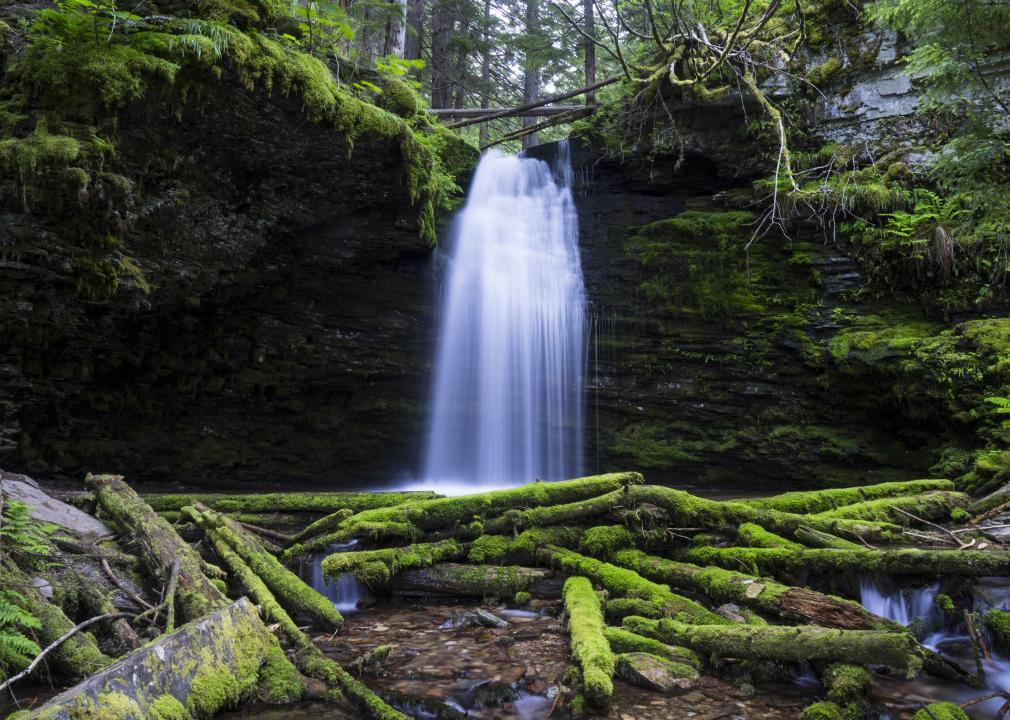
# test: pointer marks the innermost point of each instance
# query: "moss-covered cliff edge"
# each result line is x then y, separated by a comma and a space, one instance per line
201, 228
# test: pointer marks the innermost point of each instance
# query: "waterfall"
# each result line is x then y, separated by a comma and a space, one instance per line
903, 605
507, 402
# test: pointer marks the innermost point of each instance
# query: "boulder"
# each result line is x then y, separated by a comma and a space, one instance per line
655, 673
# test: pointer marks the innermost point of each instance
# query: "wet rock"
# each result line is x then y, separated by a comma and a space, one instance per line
488, 619
656, 673
731, 611
459, 622
49, 509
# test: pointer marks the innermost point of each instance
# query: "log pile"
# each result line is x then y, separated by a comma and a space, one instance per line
657, 585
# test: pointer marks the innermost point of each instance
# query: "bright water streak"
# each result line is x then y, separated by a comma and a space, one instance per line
507, 398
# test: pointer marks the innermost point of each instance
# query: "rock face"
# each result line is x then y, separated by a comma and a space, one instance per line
274, 323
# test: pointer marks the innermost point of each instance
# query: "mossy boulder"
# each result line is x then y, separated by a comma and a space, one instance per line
656, 673
399, 98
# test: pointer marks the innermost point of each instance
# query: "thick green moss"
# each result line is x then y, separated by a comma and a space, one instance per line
374, 568
625, 641
822, 711
816, 501
847, 684
166, 707
621, 582
617, 609
998, 622
603, 540
941, 711
936, 505
398, 98
753, 535
323, 502
589, 646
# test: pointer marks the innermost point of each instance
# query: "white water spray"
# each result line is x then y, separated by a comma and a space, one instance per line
508, 387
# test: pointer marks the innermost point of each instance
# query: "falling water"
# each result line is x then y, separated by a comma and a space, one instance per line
345, 592
903, 605
507, 401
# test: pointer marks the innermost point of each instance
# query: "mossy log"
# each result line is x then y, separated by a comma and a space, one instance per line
619, 581
77, 657
807, 502
589, 645
752, 535
315, 502
308, 658
410, 520
526, 547
201, 668
161, 546
290, 589
896, 650
482, 581
623, 640
932, 506
544, 516
770, 561
793, 604
267, 520
692, 511
374, 568
817, 539
990, 502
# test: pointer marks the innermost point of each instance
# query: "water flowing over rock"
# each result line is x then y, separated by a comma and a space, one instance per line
511, 354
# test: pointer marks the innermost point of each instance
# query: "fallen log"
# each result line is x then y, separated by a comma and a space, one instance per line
308, 658
763, 594
623, 640
589, 645
321, 502
619, 581
201, 668
752, 535
896, 650
547, 515
817, 539
692, 511
410, 520
996, 499
374, 568
290, 589
966, 563
161, 546
931, 506
482, 581
807, 502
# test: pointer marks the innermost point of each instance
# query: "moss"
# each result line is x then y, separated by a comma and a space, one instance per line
941, 711
166, 707
279, 681
589, 646
374, 568
823, 73
625, 641
897, 650
601, 541
822, 711
398, 98
617, 609
753, 535
443, 513
935, 505
324, 502
521, 598
998, 622
621, 582
815, 501
945, 603
847, 684
959, 515
213, 689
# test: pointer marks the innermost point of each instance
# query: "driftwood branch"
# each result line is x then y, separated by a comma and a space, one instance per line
537, 103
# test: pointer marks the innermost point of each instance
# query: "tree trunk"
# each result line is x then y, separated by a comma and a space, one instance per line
415, 30
161, 547
896, 650
396, 30
589, 27
485, 72
815, 501
442, 25
531, 78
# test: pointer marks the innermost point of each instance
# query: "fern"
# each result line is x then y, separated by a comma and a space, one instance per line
23, 538
16, 649
1002, 407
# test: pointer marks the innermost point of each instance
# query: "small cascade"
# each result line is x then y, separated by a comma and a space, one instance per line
507, 400
345, 592
903, 605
